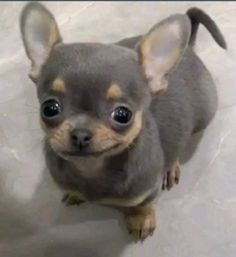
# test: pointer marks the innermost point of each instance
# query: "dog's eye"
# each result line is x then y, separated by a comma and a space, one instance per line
50, 108
121, 115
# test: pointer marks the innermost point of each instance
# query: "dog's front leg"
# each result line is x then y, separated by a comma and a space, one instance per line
72, 198
141, 221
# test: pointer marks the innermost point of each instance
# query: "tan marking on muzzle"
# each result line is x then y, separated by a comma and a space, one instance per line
135, 130
105, 138
59, 138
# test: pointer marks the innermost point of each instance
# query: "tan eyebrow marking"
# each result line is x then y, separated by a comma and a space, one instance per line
114, 92
58, 85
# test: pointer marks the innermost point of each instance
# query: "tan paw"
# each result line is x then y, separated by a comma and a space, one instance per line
71, 199
141, 222
172, 177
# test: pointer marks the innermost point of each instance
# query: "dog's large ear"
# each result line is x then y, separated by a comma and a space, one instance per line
162, 48
40, 34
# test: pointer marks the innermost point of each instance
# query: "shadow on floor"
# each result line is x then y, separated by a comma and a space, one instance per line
57, 230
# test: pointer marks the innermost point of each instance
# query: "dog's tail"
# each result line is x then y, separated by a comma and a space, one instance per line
197, 16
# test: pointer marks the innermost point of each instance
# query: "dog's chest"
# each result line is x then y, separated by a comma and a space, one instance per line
89, 167
102, 184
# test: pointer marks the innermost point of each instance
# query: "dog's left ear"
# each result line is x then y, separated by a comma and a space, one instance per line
162, 48
40, 34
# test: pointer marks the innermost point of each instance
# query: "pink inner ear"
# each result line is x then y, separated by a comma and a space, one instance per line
150, 70
149, 74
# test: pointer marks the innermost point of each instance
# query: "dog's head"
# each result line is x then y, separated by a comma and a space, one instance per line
94, 96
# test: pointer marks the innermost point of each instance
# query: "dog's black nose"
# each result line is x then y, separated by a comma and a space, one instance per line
81, 138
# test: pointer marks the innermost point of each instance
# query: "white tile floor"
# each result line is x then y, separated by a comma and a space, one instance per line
197, 218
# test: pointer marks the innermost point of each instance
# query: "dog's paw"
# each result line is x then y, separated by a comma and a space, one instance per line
141, 222
172, 177
71, 199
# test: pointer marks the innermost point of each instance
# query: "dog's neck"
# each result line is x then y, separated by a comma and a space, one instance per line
89, 167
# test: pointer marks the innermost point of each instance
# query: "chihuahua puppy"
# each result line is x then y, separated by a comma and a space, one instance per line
118, 116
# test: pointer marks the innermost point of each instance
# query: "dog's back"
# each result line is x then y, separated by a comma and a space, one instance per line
190, 101
187, 106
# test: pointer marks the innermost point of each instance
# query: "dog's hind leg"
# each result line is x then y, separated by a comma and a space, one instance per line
172, 176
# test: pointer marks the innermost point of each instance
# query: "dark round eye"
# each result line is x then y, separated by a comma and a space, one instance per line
121, 115
50, 108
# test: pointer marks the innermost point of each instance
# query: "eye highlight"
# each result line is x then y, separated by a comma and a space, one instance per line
121, 115
51, 108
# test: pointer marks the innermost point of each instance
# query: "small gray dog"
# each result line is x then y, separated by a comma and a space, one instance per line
118, 116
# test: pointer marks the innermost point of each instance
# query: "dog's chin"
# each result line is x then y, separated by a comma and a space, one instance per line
90, 153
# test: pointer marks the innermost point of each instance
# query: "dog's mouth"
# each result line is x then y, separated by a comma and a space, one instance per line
81, 153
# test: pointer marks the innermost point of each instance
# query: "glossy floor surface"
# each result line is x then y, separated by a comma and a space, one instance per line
197, 218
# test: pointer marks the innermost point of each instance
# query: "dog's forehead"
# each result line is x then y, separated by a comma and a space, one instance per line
87, 66
91, 57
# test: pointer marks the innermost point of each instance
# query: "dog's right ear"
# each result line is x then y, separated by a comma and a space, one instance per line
40, 34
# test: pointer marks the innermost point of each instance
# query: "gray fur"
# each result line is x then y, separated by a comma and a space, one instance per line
186, 107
